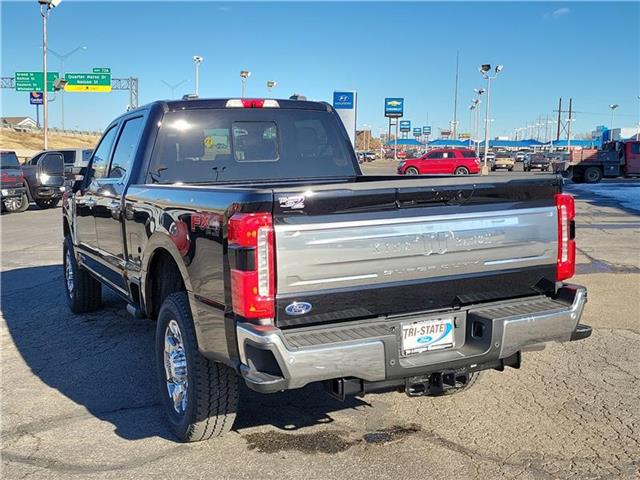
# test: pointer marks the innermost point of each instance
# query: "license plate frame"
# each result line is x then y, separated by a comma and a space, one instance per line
441, 327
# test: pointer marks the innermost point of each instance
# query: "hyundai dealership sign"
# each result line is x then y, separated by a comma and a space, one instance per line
346, 104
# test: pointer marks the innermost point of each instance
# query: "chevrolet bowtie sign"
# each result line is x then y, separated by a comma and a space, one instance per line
393, 107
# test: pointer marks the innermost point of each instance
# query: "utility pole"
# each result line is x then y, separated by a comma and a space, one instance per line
559, 113
455, 99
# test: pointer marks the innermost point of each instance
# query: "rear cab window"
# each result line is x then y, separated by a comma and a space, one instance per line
230, 145
9, 160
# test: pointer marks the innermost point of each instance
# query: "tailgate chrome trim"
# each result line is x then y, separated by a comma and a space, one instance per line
313, 257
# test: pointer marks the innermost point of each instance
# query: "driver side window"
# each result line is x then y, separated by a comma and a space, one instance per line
101, 155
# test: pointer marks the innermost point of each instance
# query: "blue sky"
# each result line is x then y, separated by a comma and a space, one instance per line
590, 51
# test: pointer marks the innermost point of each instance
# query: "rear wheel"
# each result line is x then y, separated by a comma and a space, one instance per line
16, 204
200, 396
84, 293
592, 175
412, 171
461, 171
45, 203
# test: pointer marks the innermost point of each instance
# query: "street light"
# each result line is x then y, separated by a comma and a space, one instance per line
244, 74
271, 84
45, 7
477, 102
485, 70
173, 87
197, 60
613, 107
62, 58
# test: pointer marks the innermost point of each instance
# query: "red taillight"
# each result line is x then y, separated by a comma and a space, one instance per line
566, 266
250, 238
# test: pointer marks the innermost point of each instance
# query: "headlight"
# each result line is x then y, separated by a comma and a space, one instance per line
44, 178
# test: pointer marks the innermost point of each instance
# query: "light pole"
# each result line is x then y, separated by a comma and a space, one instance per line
613, 107
173, 87
45, 7
197, 60
244, 74
62, 58
485, 72
477, 101
271, 84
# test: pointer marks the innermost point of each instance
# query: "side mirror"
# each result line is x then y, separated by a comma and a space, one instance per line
51, 170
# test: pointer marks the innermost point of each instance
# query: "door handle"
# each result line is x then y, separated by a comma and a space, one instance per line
114, 205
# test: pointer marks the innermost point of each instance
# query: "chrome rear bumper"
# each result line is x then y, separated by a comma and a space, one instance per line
274, 360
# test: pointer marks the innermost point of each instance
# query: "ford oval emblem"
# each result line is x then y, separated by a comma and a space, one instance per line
298, 308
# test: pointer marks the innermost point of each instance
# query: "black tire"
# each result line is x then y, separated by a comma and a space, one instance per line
12, 205
45, 203
461, 171
592, 175
84, 293
411, 171
473, 378
212, 387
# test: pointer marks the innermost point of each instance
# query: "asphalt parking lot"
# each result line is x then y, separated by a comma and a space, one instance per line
79, 397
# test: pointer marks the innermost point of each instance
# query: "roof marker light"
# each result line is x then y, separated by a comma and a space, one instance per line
251, 103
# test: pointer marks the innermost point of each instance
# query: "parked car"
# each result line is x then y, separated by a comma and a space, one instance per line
503, 160
521, 154
45, 176
457, 161
274, 261
536, 161
491, 158
401, 155
369, 156
13, 194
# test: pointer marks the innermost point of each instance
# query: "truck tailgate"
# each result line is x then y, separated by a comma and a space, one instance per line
392, 247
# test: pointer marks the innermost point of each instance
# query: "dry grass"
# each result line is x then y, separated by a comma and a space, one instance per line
27, 144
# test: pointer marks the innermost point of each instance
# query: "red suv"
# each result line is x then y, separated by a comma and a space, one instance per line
459, 161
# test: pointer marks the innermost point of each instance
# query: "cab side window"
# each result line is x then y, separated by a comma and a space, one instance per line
434, 155
125, 148
101, 155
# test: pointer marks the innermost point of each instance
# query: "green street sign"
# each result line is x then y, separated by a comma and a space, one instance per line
33, 81
102, 70
87, 82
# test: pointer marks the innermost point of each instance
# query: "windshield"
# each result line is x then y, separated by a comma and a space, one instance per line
214, 145
9, 160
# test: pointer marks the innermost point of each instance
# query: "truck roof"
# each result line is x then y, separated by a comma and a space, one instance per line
222, 103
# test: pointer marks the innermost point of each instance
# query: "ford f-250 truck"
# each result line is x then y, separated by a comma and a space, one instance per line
245, 228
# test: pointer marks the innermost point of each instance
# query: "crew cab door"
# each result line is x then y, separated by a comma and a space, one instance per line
85, 199
434, 162
632, 158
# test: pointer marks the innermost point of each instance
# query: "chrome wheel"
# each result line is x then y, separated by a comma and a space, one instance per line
175, 367
68, 273
12, 204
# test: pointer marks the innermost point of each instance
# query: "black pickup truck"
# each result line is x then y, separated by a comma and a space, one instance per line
245, 228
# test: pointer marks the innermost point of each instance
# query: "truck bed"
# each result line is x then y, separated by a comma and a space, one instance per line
384, 245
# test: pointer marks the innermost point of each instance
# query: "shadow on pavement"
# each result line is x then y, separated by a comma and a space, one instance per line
104, 361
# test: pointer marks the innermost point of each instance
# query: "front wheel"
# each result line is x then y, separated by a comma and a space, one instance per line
461, 171
412, 171
16, 204
45, 203
200, 396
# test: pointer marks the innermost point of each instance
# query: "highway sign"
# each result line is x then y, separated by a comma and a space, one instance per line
417, 132
33, 81
35, 98
102, 70
393, 107
405, 125
87, 82
426, 130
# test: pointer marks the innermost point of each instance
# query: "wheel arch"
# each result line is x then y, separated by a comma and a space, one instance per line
164, 272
